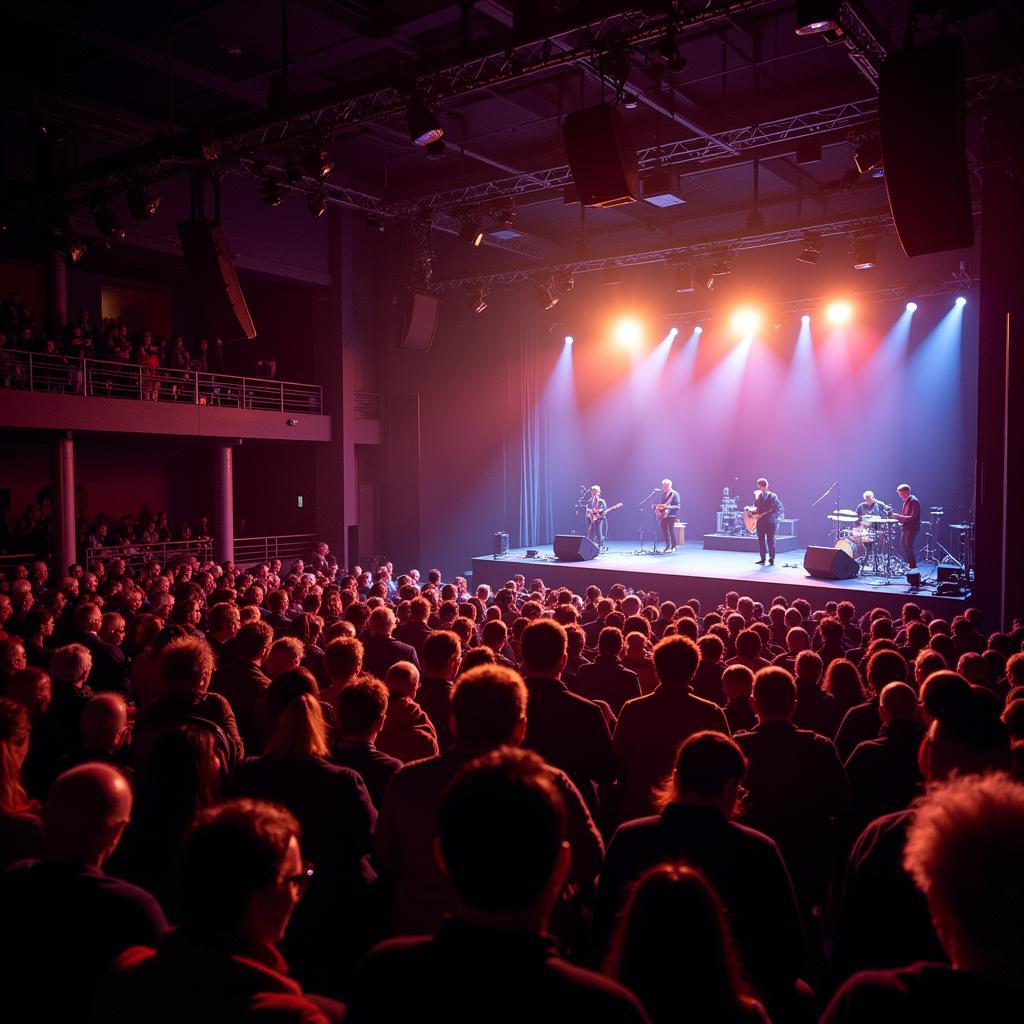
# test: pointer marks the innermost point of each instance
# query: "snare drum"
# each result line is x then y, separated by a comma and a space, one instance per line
852, 547
862, 534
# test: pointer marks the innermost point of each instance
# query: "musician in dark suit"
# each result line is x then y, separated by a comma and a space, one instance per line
597, 524
768, 509
910, 524
671, 501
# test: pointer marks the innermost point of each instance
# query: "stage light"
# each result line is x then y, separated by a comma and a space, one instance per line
471, 232
961, 301
317, 205
816, 16
838, 313
867, 153
673, 332
568, 339
811, 251
864, 257
107, 221
629, 332
698, 329
911, 307
805, 319
423, 126
684, 280
435, 150
142, 204
271, 192
317, 163
476, 299
76, 250
546, 297
745, 321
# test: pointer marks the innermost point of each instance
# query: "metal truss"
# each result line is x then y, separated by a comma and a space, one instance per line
875, 223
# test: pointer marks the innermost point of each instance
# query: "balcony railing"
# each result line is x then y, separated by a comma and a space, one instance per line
253, 550
248, 551
97, 378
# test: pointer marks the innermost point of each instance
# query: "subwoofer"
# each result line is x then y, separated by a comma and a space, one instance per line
830, 564
572, 548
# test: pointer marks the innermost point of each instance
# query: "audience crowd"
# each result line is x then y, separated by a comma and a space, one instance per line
311, 793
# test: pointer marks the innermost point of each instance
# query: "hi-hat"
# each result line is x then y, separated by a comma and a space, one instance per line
837, 518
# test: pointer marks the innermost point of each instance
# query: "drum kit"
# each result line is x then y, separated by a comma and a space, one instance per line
871, 541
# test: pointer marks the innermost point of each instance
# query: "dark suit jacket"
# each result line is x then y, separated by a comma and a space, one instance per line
609, 680
884, 776
743, 865
110, 669
242, 683
769, 502
571, 733
435, 697
860, 723
413, 634
381, 652
373, 765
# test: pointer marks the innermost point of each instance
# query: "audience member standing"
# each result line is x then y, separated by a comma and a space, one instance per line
442, 653
606, 678
380, 649
362, 709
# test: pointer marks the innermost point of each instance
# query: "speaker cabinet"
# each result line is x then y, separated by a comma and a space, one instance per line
921, 121
830, 564
217, 291
420, 323
572, 548
601, 156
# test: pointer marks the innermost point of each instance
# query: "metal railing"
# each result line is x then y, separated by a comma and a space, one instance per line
253, 550
138, 555
64, 375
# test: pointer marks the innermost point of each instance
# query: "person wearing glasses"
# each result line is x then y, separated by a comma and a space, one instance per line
242, 874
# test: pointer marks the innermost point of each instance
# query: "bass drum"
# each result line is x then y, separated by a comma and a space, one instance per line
852, 547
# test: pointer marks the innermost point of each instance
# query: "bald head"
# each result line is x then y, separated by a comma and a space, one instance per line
104, 722
898, 701
86, 813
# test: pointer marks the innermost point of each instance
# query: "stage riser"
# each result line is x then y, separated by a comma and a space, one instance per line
739, 542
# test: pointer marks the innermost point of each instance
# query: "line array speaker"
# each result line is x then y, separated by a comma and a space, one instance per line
217, 291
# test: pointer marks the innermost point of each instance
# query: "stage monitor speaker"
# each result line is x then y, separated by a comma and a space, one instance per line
921, 119
500, 544
217, 291
571, 548
602, 156
830, 564
420, 323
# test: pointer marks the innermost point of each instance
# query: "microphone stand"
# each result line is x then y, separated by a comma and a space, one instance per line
828, 491
642, 549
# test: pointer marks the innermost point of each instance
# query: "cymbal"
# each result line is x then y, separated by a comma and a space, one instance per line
846, 512
959, 526
836, 518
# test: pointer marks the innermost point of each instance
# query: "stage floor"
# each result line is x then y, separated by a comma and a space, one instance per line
693, 571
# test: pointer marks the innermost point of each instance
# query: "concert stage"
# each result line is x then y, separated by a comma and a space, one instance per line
693, 571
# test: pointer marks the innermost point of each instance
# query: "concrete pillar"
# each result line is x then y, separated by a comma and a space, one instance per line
224, 511
57, 293
62, 485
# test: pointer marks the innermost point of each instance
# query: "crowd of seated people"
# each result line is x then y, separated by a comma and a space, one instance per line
22, 329
312, 793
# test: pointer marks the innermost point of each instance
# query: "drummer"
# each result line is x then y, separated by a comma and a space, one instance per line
871, 507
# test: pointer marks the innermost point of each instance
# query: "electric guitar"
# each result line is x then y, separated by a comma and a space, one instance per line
751, 517
661, 510
594, 514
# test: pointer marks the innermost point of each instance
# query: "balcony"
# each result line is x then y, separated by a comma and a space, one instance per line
55, 391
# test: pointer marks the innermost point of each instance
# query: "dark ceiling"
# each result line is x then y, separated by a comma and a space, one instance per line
128, 74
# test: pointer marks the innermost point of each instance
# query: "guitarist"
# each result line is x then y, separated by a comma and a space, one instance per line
667, 508
597, 524
768, 509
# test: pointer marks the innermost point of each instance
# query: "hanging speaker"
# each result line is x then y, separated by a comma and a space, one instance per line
420, 323
921, 121
601, 156
218, 294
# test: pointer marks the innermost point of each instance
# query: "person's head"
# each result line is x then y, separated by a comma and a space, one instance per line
362, 706
112, 628
71, 665
441, 654
903, 491
501, 839
223, 620
494, 635
748, 644
12, 655
886, 666
666, 485
344, 659
663, 963
254, 640
299, 729
15, 731
186, 665
402, 680
285, 653
973, 667
711, 648
675, 660
774, 696
808, 668
898, 702
797, 640
381, 622
489, 707
965, 845
544, 648
738, 682
32, 688
1015, 670
709, 768
419, 609
85, 813
762, 484
241, 874
104, 723
88, 617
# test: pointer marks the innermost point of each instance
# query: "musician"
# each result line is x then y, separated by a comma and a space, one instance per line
669, 501
910, 524
597, 524
871, 506
768, 509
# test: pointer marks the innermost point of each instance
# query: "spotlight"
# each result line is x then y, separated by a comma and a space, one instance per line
673, 333
811, 251
569, 339
698, 329
629, 101
961, 301
317, 205
745, 321
816, 16
374, 223
471, 232
839, 313
76, 250
911, 307
423, 126
668, 50
107, 221
805, 319
721, 266
271, 192
629, 332
567, 284
506, 216
476, 299
317, 163
864, 257
435, 150
546, 298
867, 154
142, 204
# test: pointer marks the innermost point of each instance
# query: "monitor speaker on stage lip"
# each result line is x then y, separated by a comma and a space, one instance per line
830, 564
570, 547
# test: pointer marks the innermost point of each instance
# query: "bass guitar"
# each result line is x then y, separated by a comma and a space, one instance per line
595, 514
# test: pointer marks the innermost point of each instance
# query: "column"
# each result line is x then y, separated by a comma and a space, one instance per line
57, 293
224, 512
62, 484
